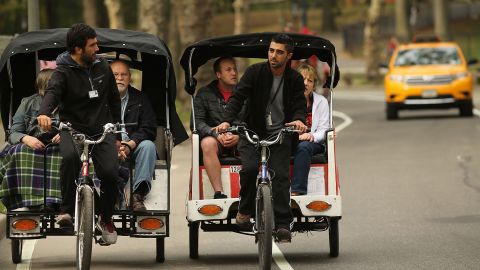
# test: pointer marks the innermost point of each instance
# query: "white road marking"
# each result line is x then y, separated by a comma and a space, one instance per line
476, 112
279, 259
277, 254
27, 252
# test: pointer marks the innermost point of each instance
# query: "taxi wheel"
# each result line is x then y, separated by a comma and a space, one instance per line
193, 239
392, 113
466, 110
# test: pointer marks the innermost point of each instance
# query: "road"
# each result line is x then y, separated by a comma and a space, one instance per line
410, 192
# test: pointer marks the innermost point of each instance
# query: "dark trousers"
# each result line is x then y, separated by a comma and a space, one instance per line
301, 167
279, 162
105, 160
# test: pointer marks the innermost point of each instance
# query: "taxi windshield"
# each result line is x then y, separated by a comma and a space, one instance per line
428, 56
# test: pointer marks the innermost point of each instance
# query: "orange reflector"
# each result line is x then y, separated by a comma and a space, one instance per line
150, 224
210, 210
319, 206
24, 224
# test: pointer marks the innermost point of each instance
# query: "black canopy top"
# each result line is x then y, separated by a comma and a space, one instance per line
147, 52
251, 46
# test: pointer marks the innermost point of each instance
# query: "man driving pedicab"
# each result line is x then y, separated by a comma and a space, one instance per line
275, 95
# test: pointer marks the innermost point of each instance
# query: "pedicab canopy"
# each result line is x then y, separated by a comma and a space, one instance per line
253, 46
147, 52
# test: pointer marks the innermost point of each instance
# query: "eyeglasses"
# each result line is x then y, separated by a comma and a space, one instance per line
116, 74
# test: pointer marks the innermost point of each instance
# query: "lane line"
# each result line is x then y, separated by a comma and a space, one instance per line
277, 254
476, 112
27, 252
279, 259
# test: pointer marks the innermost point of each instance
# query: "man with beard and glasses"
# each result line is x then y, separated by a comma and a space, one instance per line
84, 90
138, 141
274, 93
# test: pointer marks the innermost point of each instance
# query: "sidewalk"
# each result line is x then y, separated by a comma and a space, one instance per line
3, 219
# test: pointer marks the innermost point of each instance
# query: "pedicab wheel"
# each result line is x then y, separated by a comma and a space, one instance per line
17, 245
193, 239
160, 256
264, 226
333, 237
85, 229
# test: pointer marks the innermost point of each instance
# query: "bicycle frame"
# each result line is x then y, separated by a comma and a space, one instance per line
83, 183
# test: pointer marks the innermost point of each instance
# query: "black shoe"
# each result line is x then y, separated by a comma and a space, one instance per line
219, 195
138, 205
283, 235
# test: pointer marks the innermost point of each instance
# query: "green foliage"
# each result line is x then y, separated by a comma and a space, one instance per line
14, 17
3, 209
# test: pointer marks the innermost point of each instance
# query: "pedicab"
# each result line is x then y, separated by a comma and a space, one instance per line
320, 209
149, 55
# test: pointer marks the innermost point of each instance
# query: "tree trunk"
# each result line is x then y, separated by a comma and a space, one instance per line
328, 16
402, 30
241, 8
90, 12
194, 19
52, 16
153, 17
372, 43
115, 14
440, 18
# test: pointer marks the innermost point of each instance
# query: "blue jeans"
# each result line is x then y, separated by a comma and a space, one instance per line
301, 166
145, 155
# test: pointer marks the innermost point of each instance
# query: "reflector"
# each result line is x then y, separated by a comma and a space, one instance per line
24, 224
210, 210
319, 206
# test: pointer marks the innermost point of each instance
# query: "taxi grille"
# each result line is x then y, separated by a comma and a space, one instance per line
429, 80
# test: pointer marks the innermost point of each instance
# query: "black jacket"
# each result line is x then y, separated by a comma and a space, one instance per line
69, 89
139, 110
210, 110
255, 87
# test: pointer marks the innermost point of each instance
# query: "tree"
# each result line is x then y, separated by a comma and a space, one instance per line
241, 8
402, 30
115, 14
440, 15
372, 43
328, 15
153, 17
194, 19
90, 12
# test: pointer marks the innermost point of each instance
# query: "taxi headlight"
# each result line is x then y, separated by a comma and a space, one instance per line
461, 75
397, 78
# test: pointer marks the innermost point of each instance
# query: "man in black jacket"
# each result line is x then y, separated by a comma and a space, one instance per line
83, 87
275, 97
138, 143
209, 106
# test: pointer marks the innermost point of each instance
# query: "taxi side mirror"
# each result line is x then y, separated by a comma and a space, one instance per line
472, 61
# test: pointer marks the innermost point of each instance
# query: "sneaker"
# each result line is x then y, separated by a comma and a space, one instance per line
219, 195
242, 220
138, 205
109, 235
64, 220
283, 235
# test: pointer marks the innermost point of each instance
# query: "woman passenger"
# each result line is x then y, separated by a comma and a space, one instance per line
317, 119
21, 162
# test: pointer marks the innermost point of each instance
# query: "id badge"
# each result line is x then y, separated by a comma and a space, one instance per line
269, 119
93, 94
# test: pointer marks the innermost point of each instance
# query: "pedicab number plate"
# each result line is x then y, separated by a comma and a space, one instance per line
431, 93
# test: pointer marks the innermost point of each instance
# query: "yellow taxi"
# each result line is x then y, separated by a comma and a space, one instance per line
428, 75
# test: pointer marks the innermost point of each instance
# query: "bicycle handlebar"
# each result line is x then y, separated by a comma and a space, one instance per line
108, 128
241, 130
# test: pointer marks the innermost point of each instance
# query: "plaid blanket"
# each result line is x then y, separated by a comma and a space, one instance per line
22, 176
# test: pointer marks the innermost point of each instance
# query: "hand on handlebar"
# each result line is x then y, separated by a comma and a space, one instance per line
44, 122
298, 125
221, 128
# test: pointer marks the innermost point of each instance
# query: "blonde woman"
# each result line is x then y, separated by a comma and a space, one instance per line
317, 120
